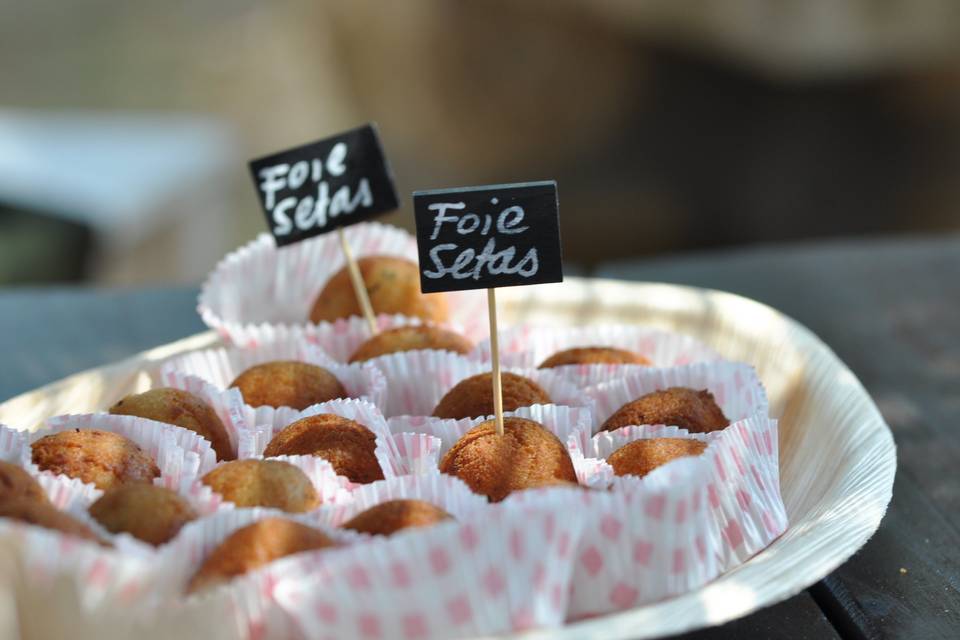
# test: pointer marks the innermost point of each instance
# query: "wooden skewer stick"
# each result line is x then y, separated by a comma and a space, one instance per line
359, 287
495, 353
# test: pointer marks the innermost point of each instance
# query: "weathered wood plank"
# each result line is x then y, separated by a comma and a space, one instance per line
46, 334
798, 618
890, 309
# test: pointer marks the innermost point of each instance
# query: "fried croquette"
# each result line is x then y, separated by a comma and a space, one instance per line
347, 445
253, 546
391, 516
410, 339
102, 458
593, 355
44, 514
695, 411
640, 457
526, 455
286, 383
473, 397
147, 512
17, 483
263, 483
393, 285
182, 409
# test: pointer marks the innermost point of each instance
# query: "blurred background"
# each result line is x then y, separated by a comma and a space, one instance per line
125, 127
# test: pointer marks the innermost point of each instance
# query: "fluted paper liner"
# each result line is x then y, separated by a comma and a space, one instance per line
417, 380
259, 287
449, 493
254, 441
226, 403
180, 454
330, 487
527, 346
249, 597
734, 385
220, 367
504, 570
341, 338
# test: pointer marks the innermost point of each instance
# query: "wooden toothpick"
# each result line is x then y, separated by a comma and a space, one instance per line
495, 353
359, 287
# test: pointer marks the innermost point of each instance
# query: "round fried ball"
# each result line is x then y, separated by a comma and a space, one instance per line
410, 339
391, 516
393, 285
44, 514
286, 383
147, 512
640, 457
182, 409
526, 455
593, 355
264, 483
102, 458
695, 411
17, 483
253, 546
473, 397
347, 445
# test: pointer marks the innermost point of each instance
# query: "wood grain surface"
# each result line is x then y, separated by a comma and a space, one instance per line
891, 310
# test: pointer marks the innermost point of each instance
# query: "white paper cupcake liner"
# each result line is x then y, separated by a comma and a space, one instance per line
677, 527
341, 338
743, 489
254, 441
104, 578
419, 452
735, 387
526, 346
180, 454
259, 287
248, 598
417, 380
226, 403
571, 425
449, 493
567, 423
503, 570
221, 366
330, 488
75, 496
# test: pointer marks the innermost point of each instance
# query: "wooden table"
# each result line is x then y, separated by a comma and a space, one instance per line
890, 309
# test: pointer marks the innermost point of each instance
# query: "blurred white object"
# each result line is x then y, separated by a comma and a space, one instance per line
148, 185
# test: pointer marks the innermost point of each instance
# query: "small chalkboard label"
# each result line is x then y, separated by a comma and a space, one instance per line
493, 236
317, 187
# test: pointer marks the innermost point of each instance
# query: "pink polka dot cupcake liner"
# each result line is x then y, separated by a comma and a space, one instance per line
180, 454
330, 487
449, 493
527, 346
679, 526
254, 441
106, 578
226, 403
258, 287
417, 380
735, 387
220, 367
743, 484
341, 338
503, 570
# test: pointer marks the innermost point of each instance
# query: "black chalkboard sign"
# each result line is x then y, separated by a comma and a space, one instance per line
483, 237
317, 187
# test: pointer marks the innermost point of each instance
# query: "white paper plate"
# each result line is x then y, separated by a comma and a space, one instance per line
837, 455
